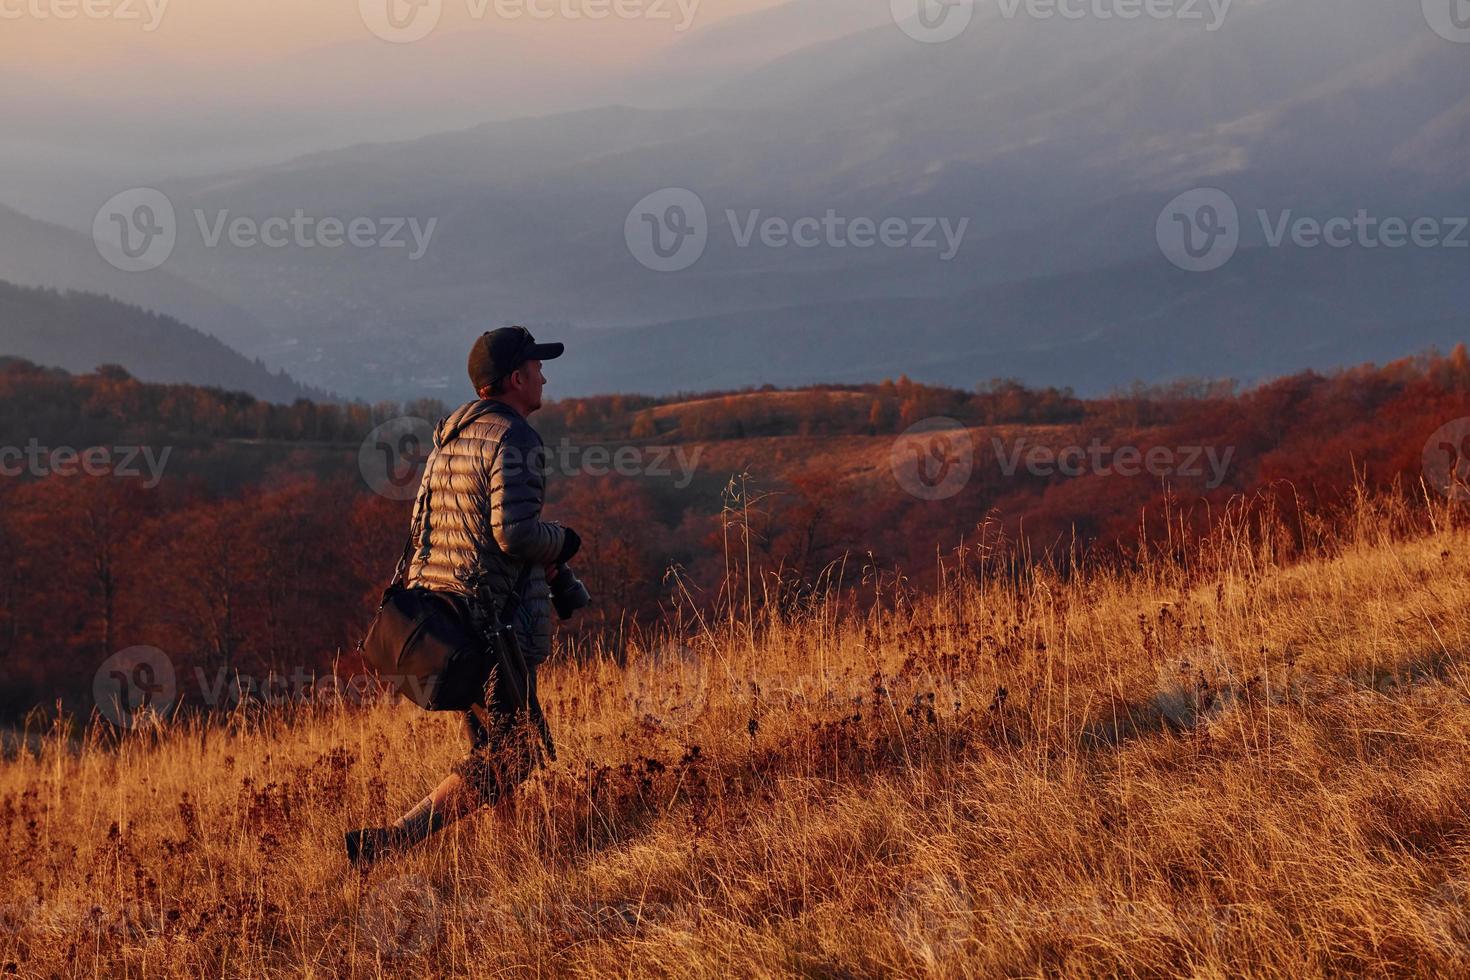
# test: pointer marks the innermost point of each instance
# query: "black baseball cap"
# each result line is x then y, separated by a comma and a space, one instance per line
497, 353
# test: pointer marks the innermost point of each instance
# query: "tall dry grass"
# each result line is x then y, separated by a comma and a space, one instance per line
1233, 757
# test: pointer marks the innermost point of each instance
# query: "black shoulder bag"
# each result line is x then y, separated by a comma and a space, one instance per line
424, 645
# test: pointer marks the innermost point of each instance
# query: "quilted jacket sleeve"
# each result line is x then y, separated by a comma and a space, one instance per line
517, 491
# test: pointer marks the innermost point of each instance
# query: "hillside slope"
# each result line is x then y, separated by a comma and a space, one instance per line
1221, 765
34, 253
80, 331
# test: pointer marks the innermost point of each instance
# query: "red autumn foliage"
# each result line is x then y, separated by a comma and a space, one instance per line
263, 551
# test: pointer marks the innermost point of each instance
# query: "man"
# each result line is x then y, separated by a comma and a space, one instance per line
477, 532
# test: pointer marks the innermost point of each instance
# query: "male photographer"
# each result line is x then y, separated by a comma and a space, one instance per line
478, 535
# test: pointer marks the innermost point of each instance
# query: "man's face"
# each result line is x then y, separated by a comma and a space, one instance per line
529, 381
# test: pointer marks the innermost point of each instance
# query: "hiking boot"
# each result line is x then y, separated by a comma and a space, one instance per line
369, 844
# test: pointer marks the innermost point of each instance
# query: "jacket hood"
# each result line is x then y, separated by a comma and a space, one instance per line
466, 414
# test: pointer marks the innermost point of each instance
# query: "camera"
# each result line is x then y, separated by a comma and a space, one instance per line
568, 594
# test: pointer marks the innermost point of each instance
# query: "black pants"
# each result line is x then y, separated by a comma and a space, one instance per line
506, 740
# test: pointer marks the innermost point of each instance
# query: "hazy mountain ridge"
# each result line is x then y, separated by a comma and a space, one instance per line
1059, 143
34, 253
80, 331
1269, 312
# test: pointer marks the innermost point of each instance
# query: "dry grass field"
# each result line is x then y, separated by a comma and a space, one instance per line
1220, 761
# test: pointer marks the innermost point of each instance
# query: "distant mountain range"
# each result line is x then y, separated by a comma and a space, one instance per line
1058, 142
34, 253
81, 331
1267, 313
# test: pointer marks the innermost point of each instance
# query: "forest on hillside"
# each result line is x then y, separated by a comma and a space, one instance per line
260, 548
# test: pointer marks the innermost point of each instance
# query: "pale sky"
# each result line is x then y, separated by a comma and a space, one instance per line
93, 97
58, 39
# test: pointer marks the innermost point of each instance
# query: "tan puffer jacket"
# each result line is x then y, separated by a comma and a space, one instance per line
477, 519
